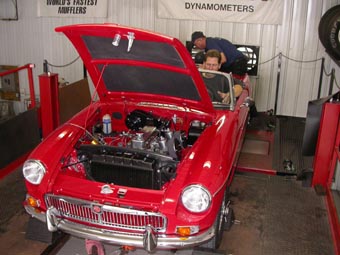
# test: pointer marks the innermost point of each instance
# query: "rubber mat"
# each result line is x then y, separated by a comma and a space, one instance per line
296, 220
257, 151
277, 215
288, 138
12, 190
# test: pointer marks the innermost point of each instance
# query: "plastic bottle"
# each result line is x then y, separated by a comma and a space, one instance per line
107, 128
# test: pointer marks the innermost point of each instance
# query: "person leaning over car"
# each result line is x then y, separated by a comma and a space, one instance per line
217, 85
232, 60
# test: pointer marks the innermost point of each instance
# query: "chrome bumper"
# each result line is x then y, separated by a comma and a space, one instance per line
148, 240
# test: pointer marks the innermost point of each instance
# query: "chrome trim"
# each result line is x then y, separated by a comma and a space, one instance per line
163, 241
52, 219
106, 216
119, 238
38, 215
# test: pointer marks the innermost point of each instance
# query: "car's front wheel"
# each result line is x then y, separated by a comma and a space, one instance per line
219, 225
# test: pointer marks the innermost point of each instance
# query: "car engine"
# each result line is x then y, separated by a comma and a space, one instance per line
145, 156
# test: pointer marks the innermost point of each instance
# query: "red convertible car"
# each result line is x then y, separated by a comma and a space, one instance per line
148, 164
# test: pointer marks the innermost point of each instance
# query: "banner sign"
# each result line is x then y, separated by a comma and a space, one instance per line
242, 11
72, 8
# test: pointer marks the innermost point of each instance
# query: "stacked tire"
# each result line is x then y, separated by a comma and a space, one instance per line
329, 27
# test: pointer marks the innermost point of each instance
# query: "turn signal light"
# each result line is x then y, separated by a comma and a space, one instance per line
33, 202
185, 231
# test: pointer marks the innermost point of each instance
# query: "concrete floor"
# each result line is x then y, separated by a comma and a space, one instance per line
277, 215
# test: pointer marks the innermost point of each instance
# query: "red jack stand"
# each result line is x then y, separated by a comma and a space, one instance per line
94, 247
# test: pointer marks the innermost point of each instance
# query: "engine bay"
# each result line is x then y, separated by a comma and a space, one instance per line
145, 155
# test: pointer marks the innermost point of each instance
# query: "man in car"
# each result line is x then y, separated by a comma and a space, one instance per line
217, 85
232, 60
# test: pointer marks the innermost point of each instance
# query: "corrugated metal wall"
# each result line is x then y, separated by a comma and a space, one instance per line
32, 39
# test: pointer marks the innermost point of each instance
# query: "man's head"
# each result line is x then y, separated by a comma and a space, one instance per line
212, 60
199, 40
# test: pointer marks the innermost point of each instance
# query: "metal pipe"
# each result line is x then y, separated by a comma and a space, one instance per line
277, 81
31, 86
321, 76
331, 83
14, 70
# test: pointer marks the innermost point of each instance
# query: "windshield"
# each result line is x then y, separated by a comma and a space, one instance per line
219, 86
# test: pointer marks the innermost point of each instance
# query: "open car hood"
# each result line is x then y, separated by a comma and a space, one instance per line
133, 64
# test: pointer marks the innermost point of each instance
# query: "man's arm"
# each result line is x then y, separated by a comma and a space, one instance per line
223, 58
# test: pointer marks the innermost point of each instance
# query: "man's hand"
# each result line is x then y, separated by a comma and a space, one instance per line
225, 97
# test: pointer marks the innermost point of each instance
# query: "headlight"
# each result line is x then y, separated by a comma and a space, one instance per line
33, 171
196, 199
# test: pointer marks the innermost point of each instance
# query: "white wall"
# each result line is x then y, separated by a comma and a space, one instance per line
32, 39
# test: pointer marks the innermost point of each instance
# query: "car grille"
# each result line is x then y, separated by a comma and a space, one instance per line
105, 215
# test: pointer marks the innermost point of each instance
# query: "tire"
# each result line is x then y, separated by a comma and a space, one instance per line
229, 219
323, 24
335, 36
219, 226
329, 27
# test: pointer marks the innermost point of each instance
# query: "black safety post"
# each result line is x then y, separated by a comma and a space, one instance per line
45, 66
277, 81
331, 83
321, 76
